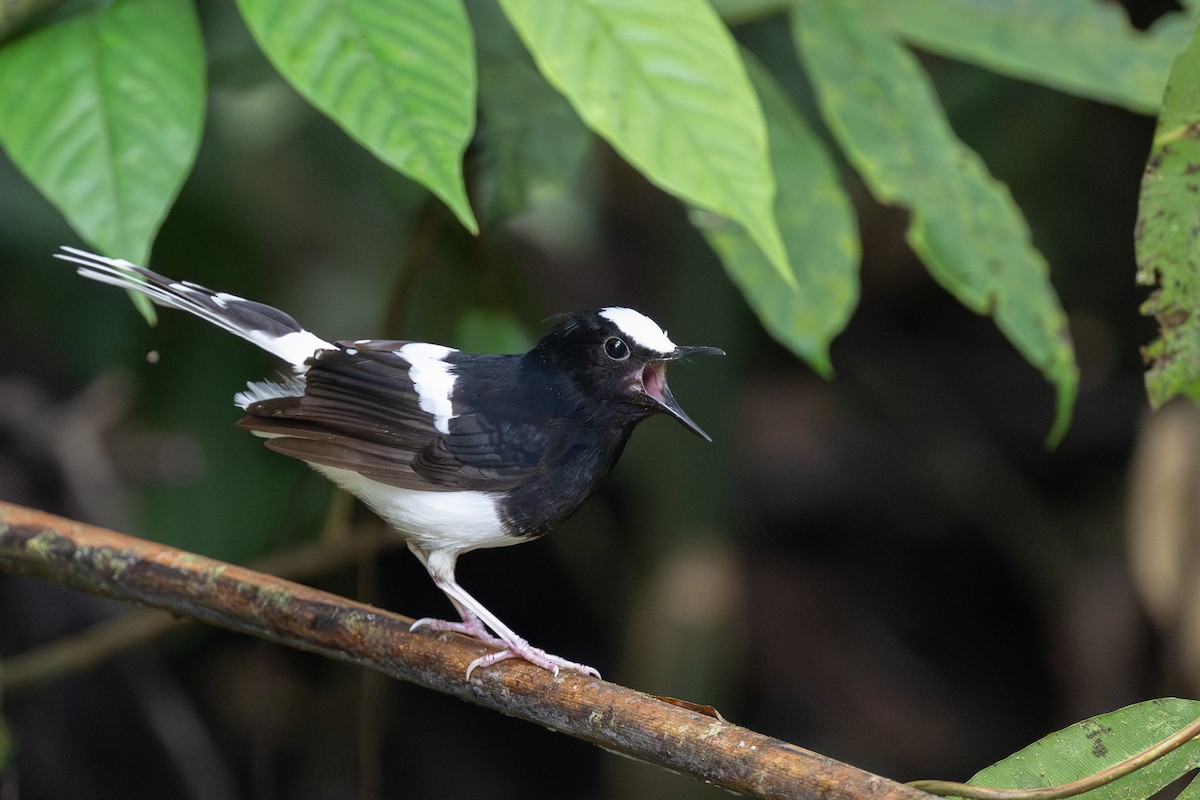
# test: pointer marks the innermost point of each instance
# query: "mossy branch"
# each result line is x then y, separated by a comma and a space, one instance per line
682, 739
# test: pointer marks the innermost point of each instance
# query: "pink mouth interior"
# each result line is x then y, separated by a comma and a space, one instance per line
654, 380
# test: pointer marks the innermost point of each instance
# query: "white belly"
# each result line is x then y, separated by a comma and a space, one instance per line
458, 521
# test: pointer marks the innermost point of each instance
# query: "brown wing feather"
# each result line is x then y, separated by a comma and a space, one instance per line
360, 412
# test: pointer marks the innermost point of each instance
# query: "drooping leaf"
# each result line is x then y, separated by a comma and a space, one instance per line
1166, 236
530, 138
103, 113
1092, 745
397, 75
819, 231
1085, 47
663, 83
964, 224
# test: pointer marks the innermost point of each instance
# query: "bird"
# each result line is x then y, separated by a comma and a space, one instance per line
455, 451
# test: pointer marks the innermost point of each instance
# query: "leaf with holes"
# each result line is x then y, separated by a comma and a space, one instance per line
1166, 236
1088, 747
397, 75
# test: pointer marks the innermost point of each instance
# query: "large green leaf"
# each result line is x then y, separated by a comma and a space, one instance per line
103, 112
1085, 47
1088, 747
397, 75
1167, 237
964, 225
530, 138
819, 231
663, 83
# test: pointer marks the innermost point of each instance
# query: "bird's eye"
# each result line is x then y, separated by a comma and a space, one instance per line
616, 349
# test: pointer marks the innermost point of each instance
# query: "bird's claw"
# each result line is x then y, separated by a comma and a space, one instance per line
475, 629
535, 656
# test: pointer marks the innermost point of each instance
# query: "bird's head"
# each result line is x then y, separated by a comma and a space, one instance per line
618, 355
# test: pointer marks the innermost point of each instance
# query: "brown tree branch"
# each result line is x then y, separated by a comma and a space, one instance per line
87, 649
681, 739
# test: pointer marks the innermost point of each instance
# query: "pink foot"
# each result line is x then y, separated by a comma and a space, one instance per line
474, 628
535, 656
468, 627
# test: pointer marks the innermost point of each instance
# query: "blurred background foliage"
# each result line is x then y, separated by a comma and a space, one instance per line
888, 567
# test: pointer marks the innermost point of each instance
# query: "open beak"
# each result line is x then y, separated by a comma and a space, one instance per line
654, 382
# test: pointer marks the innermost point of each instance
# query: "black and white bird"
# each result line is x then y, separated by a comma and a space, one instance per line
455, 451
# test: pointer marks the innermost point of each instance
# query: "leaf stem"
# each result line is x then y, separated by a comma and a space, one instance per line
1094, 781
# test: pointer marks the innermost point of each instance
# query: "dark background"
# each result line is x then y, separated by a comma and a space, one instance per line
888, 568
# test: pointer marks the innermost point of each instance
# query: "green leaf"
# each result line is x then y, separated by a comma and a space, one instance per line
964, 226
1085, 47
103, 112
530, 138
662, 82
1095, 744
397, 75
819, 231
1166, 237
1174, 31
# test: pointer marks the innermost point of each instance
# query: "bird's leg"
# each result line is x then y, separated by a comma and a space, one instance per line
477, 620
470, 625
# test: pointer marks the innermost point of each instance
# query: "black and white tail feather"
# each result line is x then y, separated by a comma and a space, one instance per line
259, 324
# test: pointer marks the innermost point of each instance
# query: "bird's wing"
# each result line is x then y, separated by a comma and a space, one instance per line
361, 410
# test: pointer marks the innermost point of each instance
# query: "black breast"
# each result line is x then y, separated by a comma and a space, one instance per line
565, 441
566, 477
